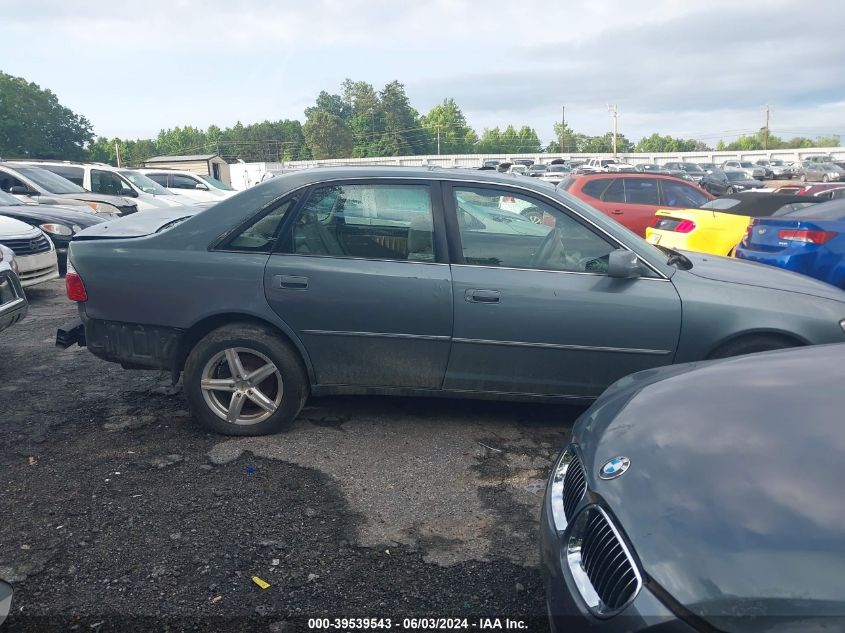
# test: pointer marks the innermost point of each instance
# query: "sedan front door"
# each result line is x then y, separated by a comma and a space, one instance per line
536, 312
364, 282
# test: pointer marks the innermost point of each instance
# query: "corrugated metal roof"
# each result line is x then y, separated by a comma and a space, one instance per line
180, 159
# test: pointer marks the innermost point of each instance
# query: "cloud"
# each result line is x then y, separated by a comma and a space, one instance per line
669, 65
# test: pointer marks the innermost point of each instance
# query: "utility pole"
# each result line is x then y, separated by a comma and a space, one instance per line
117, 153
562, 127
766, 133
438, 139
614, 110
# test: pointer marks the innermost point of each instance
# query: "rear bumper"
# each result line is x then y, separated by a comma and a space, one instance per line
13, 303
132, 345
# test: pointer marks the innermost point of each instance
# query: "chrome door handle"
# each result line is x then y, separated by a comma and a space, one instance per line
482, 296
617, 212
291, 282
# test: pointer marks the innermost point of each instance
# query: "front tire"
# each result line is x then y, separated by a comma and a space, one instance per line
243, 379
825, 178
729, 191
751, 345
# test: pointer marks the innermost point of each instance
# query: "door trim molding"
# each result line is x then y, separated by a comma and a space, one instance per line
421, 337
577, 348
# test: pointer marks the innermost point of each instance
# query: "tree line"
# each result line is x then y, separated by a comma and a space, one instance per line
358, 121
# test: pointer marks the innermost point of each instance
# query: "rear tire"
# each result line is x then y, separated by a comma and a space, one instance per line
752, 345
534, 215
825, 178
264, 392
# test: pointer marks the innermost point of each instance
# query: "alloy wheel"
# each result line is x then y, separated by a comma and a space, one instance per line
242, 386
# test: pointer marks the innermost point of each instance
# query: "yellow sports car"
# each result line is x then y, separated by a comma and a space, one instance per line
718, 226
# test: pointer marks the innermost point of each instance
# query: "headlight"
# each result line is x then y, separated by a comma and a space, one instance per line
102, 207
56, 229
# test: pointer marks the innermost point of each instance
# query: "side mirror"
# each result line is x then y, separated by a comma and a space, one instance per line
22, 191
201, 187
623, 264
5, 600
128, 193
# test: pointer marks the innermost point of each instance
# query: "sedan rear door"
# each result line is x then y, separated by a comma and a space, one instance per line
363, 280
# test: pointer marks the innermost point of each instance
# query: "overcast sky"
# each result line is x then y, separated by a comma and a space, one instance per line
696, 69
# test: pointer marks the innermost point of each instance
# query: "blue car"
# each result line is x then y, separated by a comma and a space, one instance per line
810, 241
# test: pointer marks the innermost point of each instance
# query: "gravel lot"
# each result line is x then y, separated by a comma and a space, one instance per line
120, 514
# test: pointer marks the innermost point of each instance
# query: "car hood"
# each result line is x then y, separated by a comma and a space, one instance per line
117, 201
137, 224
12, 227
42, 213
731, 501
730, 270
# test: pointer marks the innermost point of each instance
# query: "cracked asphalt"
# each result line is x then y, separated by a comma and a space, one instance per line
121, 514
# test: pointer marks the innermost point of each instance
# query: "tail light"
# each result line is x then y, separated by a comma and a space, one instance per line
806, 236
74, 286
747, 237
655, 221
685, 226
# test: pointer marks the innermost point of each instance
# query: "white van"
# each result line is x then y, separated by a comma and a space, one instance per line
116, 181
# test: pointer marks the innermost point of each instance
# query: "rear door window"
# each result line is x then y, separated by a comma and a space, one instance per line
178, 181
372, 221
641, 191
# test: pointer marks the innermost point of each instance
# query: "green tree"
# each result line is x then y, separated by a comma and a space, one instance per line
604, 144
456, 137
333, 104
403, 134
327, 136
657, 143
33, 124
509, 141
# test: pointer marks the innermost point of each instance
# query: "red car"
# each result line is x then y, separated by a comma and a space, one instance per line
807, 189
631, 199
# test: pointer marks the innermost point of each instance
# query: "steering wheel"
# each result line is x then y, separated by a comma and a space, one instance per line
551, 245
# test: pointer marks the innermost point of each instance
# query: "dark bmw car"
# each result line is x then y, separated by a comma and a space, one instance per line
414, 281
703, 497
59, 223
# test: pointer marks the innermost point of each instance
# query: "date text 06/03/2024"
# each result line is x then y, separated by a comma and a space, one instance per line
417, 624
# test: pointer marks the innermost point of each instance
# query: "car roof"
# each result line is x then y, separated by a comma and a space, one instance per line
630, 174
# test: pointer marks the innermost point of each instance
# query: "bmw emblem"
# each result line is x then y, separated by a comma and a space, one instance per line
614, 467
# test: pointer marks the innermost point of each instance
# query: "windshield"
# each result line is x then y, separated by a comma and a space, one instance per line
49, 181
775, 163
735, 175
143, 183
747, 165
563, 168
7, 200
691, 167
537, 168
216, 183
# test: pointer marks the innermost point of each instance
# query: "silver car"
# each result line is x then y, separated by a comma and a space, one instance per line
414, 281
752, 171
13, 304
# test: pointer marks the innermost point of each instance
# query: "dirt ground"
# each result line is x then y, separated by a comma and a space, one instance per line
120, 514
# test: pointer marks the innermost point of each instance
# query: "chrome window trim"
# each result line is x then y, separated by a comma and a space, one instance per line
493, 184
564, 272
